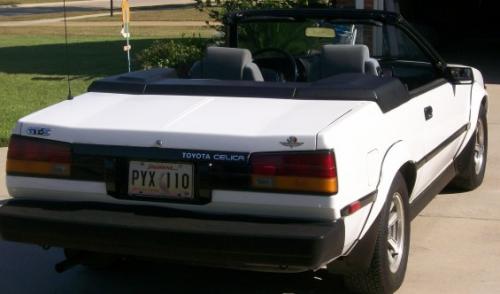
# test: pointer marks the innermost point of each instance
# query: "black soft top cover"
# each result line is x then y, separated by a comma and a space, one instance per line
387, 92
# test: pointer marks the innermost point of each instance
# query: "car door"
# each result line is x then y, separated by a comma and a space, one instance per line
444, 120
439, 109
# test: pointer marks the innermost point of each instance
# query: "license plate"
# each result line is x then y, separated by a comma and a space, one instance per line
161, 180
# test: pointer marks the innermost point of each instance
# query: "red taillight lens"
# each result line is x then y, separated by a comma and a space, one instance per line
297, 171
38, 150
38, 157
321, 165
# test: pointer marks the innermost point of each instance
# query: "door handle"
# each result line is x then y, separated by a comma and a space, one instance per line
428, 112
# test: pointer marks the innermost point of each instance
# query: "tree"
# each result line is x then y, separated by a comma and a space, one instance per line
279, 36
229, 6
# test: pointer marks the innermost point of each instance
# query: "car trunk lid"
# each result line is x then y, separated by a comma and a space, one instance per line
188, 122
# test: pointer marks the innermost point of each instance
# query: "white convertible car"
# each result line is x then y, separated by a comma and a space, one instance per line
308, 142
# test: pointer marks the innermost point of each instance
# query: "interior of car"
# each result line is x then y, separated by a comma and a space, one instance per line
317, 49
306, 54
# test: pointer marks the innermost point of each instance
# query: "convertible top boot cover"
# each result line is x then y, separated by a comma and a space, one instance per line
222, 63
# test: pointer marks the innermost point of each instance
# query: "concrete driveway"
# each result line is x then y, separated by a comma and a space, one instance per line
455, 249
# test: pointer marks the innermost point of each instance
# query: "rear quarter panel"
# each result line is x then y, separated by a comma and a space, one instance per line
358, 142
370, 147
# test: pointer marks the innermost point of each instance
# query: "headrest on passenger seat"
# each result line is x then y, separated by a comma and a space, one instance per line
338, 59
226, 64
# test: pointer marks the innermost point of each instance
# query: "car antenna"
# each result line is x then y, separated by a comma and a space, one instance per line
66, 49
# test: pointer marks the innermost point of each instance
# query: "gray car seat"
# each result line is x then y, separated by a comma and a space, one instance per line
224, 63
338, 59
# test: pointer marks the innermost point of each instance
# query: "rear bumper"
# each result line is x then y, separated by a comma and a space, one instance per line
234, 242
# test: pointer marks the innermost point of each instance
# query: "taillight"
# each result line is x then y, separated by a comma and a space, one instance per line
28, 156
295, 171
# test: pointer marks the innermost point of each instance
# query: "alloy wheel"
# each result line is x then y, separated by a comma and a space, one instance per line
396, 232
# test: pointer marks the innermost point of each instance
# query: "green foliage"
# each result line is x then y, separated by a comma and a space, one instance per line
260, 35
182, 53
179, 54
230, 6
287, 36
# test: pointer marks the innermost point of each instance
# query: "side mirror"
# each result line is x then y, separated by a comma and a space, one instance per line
460, 75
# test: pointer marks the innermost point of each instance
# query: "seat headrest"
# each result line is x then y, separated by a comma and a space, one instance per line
337, 59
225, 63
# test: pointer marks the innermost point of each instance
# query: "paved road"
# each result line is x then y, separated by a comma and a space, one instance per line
455, 249
81, 6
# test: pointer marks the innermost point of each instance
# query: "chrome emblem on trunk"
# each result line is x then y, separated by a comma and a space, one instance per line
292, 142
34, 131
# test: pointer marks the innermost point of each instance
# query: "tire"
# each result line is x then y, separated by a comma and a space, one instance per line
471, 163
387, 269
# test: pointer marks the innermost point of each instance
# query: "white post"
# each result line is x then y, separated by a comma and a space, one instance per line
360, 4
379, 4
128, 47
391, 5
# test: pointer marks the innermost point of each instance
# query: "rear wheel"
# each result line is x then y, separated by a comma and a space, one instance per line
471, 163
388, 266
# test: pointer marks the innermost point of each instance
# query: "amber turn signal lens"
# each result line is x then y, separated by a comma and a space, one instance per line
315, 185
313, 172
38, 168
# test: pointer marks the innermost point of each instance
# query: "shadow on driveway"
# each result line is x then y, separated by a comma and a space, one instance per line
20, 261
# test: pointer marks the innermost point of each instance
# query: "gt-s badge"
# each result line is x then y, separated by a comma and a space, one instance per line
292, 142
38, 131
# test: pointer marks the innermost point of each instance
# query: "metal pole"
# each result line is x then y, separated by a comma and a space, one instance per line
128, 47
66, 53
111, 8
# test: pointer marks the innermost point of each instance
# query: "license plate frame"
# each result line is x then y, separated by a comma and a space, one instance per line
171, 180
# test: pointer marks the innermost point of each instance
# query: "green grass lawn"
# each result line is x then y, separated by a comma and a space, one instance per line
32, 71
113, 32
177, 14
137, 14
38, 16
33, 67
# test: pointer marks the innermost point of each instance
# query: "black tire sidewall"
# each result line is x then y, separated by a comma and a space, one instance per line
467, 179
378, 278
393, 280
478, 178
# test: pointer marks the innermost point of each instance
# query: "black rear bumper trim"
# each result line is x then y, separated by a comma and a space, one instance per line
245, 243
